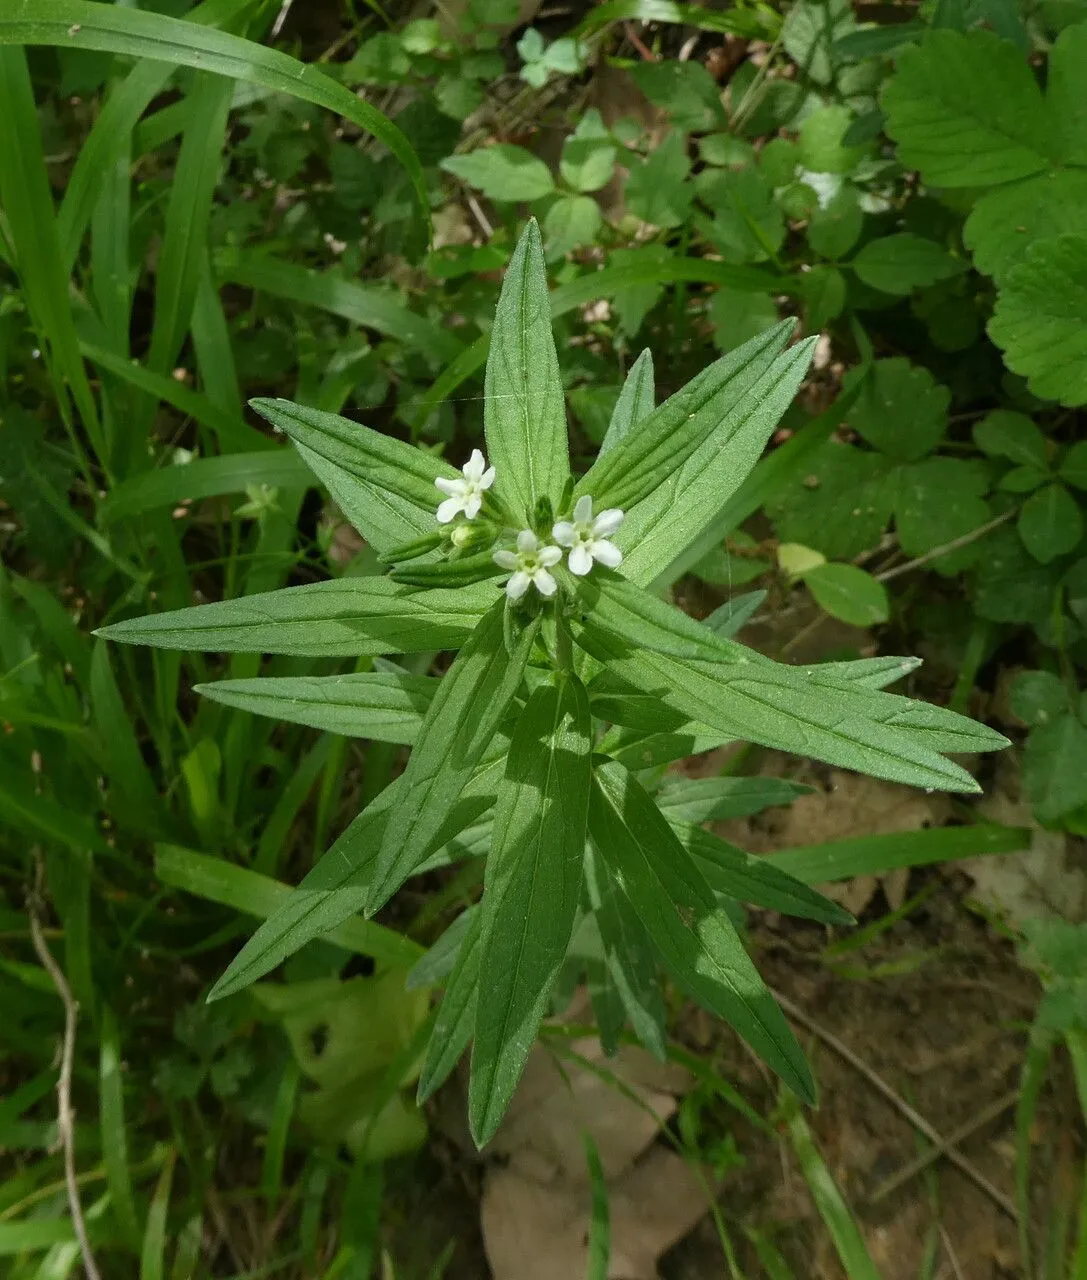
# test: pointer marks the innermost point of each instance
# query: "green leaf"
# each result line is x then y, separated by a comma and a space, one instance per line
1073, 468
694, 936
834, 228
966, 110
936, 501
396, 499
1023, 479
502, 172
657, 190
748, 224
753, 880
456, 1018
1010, 586
810, 33
688, 469
1050, 523
1064, 94
349, 617
824, 295
572, 221
1038, 697
901, 409
849, 593
820, 141
588, 154
738, 317
524, 413
80, 24
255, 895
372, 704
531, 890
904, 262
471, 701
1005, 222
1040, 320
1053, 771
636, 401
440, 961
685, 90
840, 504
1007, 434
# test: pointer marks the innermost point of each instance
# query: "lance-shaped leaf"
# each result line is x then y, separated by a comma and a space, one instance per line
531, 889
337, 886
715, 799
472, 700
753, 880
695, 937
456, 1018
440, 960
350, 617
636, 402
524, 413
385, 706
628, 955
393, 483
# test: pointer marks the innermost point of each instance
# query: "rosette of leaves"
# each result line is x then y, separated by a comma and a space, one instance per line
528, 749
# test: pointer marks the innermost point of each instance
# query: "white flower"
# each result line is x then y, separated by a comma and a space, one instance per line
529, 565
465, 495
588, 538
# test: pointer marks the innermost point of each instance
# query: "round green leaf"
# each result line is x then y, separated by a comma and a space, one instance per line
824, 292
835, 228
503, 172
901, 410
1073, 468
1050, 523
1053, 771
849, 593
570, 222
966, 110
1040, 320
821, 146
904, 262
1038, 697
1006, 434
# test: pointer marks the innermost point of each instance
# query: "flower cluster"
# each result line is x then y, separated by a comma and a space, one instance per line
584, 538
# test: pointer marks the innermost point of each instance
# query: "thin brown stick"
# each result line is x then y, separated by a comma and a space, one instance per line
65, 1114
900, 1104
954, 1139
952, 1257
954, 545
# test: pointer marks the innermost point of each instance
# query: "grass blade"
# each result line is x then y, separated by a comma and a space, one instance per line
600, 1223
114, 1135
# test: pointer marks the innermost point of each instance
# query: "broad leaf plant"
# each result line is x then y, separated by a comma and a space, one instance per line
542, 744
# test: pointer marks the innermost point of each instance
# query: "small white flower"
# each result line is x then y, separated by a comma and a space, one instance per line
465, 495
529, 565
588, 538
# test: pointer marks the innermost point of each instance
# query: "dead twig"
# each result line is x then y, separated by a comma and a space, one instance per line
954, 545
952, 1257
65, 1114
900, 1104
954, 1139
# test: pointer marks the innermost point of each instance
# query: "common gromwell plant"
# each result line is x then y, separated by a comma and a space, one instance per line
542, 743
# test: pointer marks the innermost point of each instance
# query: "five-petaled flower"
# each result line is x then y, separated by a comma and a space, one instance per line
529, 565
588, 538
467, 494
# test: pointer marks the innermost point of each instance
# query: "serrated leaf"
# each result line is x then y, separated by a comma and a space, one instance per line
849, 593
904, 262
350, 617
503, 172
636, 402
841, 506
1040, 320
531, 889
810, 32
1053, 771
900, 410
1064, 94
1007, 221
685, 90
524, 413
1050, 523
696, 939
966, 111
748, 225
396, 496
570, 222
456, 1017
738, 317
754, 881
714, 799
657, 190
471, 701
588, 154
1007, 434
370, 704
936, 501
1010, 586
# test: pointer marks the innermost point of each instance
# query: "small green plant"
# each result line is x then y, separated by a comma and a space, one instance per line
568, 683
